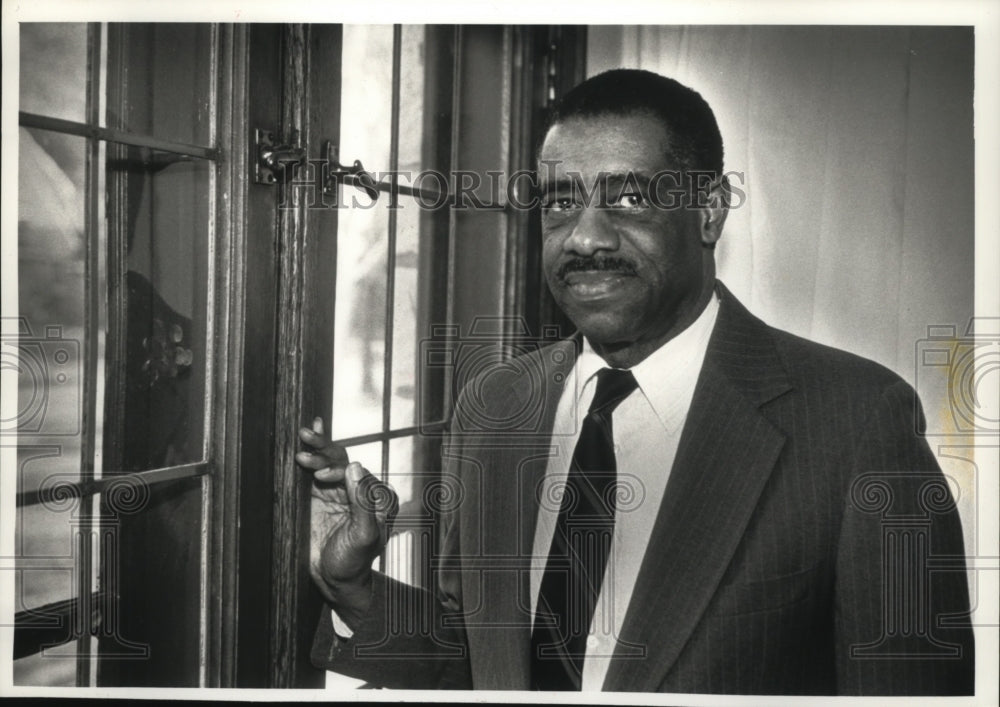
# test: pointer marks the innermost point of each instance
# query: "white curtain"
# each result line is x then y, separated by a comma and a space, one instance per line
856, 146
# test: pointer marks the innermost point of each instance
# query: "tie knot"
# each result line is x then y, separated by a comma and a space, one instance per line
613, 386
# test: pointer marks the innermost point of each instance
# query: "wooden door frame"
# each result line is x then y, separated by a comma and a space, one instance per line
276, 369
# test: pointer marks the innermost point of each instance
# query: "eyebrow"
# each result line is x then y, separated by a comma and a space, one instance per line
614, 181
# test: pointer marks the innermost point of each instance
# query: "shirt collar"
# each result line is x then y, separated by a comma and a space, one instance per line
667, 376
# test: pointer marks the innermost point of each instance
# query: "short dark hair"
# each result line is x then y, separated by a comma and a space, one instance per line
694, 139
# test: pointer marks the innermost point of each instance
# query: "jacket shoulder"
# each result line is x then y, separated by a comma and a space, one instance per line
809, 361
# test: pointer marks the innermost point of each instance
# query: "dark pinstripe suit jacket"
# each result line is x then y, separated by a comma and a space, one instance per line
792, 553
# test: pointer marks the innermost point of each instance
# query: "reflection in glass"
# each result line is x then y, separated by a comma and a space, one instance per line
53, 69
166, 216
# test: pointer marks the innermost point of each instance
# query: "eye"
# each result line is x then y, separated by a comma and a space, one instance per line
559, 203
630, 200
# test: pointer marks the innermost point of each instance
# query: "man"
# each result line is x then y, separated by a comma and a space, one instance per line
702, 503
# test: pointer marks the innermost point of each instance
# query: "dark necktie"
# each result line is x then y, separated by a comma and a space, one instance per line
581, 543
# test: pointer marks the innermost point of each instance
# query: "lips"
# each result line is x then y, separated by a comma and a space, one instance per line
588, 284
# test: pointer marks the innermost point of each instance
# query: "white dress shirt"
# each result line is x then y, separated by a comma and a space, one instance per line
647, 428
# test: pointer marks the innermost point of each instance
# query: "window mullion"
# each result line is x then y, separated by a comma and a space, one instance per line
93, 289
390, 281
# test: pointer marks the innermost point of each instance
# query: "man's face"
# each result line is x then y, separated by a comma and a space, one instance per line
623, 270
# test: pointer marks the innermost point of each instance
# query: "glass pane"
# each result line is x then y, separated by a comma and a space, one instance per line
406, 332
46, 554
366, 96
411, 100
359, 329
51, 293
401, 471
150, 554
55, 667
369, 455
163, 203
160, 80
399, 550
420, 498
425, 88
53, 70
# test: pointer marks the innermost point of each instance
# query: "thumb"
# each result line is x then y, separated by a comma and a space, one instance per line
360, 493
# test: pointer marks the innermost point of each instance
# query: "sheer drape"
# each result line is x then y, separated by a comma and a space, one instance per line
855, 146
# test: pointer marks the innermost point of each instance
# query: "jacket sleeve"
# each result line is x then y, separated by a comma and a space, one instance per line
412, 638
407, 641
901, 613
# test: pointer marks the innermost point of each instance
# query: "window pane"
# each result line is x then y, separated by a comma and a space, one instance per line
162, 201
399, 550
420, 499
426, 71
53, 70
50, 290
366, 96
406, 331
46, 538
55, 667
359, 330
411, 99
160, 79
369, 455
152, 571
401, 470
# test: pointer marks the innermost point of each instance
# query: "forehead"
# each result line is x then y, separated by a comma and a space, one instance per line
606, 143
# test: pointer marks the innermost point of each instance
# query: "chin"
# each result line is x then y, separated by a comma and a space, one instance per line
605, 329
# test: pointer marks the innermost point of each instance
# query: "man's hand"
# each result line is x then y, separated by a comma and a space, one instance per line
349, 517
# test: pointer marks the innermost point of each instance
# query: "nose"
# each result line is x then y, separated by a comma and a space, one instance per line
591, 233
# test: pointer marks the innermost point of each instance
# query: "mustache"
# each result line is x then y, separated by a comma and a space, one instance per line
591, 264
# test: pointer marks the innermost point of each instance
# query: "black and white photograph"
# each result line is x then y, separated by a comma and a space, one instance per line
531, 353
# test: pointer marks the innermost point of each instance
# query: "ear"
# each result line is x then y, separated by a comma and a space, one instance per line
713, 215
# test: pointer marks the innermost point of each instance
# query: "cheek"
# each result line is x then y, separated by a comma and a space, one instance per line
551, 248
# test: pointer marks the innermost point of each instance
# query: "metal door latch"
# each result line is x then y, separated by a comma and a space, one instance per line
276, 163
279, 163
355, 174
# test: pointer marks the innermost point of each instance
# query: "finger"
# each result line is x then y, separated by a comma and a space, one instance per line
364, 525
317, 425
309, 437
330, 475
318, 460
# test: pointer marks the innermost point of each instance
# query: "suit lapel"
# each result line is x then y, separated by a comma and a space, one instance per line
726, 453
